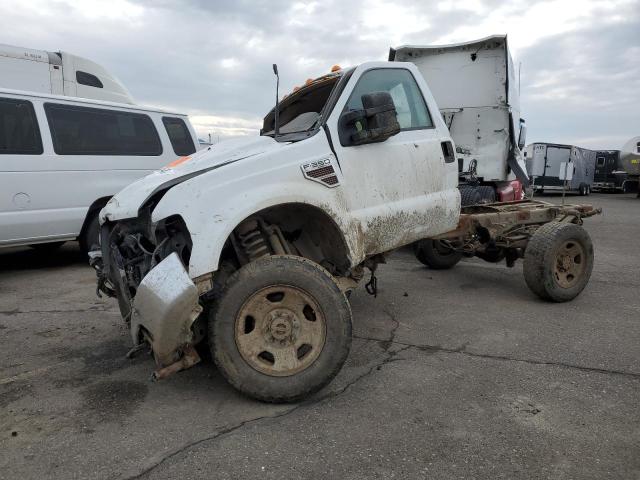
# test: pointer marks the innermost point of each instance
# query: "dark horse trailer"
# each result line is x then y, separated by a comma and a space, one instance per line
545, 164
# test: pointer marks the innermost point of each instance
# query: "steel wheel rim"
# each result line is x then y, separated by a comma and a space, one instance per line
569, 264
280, 330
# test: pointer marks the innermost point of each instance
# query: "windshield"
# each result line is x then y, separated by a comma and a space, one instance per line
301, 111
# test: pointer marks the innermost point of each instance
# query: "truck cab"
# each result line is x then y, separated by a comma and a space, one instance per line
359, 164
58, 73
477, 89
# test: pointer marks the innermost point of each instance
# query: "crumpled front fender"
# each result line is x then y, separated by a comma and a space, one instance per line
164, 308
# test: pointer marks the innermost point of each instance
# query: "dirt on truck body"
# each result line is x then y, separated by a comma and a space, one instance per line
255, 244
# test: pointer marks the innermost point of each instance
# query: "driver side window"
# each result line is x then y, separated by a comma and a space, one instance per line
411, 108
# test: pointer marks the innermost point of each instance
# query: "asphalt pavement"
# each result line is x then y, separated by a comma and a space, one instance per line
453, 374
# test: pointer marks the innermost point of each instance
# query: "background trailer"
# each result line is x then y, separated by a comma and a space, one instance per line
544, 163
608, 175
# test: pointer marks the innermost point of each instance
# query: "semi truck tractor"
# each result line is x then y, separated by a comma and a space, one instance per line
58, 73
253, 246
477, 92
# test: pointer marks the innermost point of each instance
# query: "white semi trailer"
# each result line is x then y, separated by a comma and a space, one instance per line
477, 92
58, 73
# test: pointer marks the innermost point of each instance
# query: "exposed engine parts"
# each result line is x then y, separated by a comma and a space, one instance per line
132, 250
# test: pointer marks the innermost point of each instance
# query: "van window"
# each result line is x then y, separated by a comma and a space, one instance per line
179, 135
411, 109
85, 78
95, 131
19, 132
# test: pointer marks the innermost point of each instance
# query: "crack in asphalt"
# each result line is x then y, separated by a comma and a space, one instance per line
462, 350
388, 358
17, 311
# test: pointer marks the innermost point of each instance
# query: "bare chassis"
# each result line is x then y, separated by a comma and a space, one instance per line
493, 232
508, 226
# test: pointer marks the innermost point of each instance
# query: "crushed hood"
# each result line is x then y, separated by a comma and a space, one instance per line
128, 201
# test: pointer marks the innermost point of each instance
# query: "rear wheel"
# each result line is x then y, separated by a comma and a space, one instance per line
558, 261
582, 190
436, 254
281, 329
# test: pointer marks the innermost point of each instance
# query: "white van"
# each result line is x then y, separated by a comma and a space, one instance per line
63, 158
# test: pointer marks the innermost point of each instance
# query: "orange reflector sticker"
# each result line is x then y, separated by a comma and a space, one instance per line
177, 162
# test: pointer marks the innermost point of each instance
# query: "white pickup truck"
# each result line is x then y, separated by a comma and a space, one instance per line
254, 244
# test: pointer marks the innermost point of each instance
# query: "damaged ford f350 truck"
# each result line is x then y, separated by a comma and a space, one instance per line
254, 244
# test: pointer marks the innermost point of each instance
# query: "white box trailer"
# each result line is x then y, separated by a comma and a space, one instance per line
546, 163
58, 73
477, 93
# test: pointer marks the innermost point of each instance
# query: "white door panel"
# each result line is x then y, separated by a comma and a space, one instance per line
398, 189
556, 156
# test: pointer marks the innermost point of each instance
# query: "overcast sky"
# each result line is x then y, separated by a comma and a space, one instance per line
212, 59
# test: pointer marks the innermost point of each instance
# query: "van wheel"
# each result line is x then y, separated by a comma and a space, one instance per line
558, 261
435, 254
47, 247
89, 237
281, 329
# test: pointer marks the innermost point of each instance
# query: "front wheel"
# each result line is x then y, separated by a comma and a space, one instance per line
436, 254
281, 329
558, 261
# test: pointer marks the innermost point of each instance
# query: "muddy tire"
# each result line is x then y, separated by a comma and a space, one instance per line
558, 261
469, 196
435, 254
281, 329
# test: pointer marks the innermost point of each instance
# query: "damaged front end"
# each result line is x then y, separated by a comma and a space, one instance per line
143, 265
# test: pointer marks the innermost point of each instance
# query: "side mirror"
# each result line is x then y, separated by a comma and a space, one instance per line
522, 138
376, 122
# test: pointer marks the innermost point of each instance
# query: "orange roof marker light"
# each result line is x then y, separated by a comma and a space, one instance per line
336, 68
308, 82
177, 162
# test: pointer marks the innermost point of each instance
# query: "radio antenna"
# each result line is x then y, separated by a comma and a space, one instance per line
276, 125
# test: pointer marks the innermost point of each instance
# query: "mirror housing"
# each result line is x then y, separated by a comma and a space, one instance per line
522, 137
376, 122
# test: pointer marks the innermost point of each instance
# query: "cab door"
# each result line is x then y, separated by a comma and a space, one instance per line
394, 188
